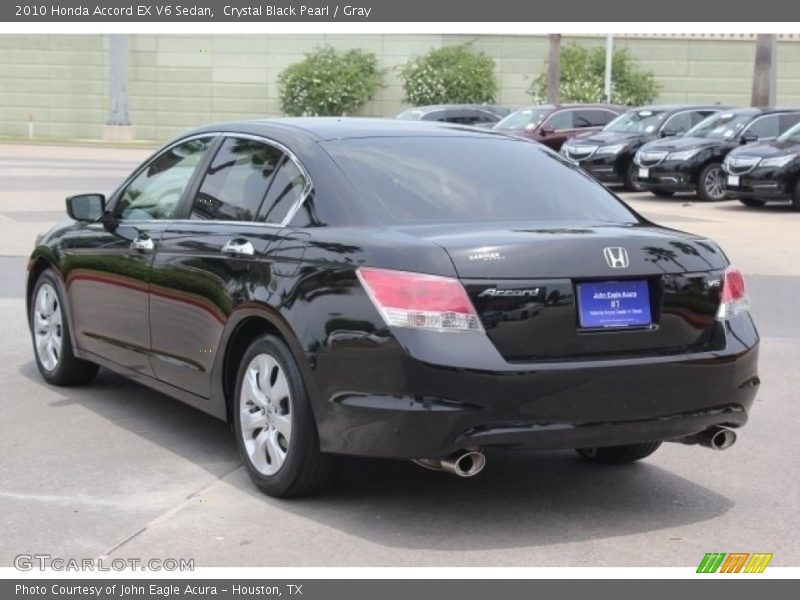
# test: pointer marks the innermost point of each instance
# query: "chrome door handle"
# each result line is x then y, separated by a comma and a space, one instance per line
143, 243
238, 247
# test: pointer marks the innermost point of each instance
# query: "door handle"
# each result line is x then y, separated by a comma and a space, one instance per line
143, 243
239, 247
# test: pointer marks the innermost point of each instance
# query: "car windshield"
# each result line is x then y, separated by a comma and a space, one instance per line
412, 114
723, 126
410, 180
791, 135
637, 121
522, 118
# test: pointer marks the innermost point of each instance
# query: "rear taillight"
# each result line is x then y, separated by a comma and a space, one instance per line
421, 301
734, 294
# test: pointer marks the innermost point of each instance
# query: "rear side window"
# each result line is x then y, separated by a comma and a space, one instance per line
237, 180
467, 179
287, 188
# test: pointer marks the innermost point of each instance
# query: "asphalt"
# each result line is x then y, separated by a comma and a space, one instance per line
114, 469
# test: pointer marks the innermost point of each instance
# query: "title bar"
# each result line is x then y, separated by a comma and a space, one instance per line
458, 11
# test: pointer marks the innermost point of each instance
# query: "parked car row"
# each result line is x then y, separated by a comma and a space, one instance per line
717, 152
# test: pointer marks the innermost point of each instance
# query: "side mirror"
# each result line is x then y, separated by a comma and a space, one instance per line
669, 133
547, 129
86, 208
748, 136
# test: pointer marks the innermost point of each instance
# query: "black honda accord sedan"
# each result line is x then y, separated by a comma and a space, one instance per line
394, 289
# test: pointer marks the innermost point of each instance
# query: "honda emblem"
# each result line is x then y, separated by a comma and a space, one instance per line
617, 258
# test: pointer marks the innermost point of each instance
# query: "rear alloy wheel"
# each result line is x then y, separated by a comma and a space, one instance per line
274, 424
631, 181
52, 344
711, 183
752, 202
618, 455
661, 193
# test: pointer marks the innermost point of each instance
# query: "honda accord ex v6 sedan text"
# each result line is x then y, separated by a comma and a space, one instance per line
608, 154
394, 289
694, 162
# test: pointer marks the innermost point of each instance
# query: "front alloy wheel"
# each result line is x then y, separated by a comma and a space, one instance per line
52, 344
711, 183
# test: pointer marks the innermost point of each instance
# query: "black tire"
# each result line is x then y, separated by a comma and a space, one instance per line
630, 181
304, 470
710, 183
67, 370
752, 202
618, 455
796, 196
662, 193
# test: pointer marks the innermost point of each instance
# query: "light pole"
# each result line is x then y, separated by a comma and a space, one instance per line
609, 63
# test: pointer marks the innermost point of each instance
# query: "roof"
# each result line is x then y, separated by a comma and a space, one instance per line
677, 107
333, 128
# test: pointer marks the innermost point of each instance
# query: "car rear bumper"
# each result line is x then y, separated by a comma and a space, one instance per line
406, 408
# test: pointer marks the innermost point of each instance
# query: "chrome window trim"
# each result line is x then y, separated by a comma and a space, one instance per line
307, 189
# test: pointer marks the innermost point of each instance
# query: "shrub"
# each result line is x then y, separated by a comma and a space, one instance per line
329, 82
449, 75
583, 77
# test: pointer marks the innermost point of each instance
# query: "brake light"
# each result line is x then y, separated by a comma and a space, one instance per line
734, 297
420, 301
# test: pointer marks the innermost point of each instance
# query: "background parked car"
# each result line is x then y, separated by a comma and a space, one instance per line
478, 115
608, 154
766, 171
553, 124
694, 161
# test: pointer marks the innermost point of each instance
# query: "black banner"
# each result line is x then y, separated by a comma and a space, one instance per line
344, 589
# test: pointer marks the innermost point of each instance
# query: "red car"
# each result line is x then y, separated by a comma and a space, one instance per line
553, 124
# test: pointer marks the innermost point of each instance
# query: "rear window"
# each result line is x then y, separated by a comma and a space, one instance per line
406, 180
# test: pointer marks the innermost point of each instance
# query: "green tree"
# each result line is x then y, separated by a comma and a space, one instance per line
583, 74
329, 82
449, 75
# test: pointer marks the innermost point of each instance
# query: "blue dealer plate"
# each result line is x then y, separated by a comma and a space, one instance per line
614, 304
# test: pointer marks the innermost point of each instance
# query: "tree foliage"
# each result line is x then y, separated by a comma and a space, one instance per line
329, 82
449, 75
583, 77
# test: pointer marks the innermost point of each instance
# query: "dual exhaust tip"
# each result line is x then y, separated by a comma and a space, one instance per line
466, 463
469, 463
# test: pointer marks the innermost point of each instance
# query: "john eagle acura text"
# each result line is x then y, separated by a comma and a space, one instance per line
394, 289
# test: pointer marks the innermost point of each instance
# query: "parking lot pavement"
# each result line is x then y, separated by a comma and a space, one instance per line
116, 469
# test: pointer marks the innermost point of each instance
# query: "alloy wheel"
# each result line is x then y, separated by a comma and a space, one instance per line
47, 327
713, 184
265, 414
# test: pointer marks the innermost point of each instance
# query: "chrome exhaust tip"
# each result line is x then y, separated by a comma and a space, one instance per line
462, 464
717, 438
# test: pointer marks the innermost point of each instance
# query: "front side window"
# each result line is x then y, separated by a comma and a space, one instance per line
237, 180
679, 123
764, 128
157, 190
562, 120
792, 135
